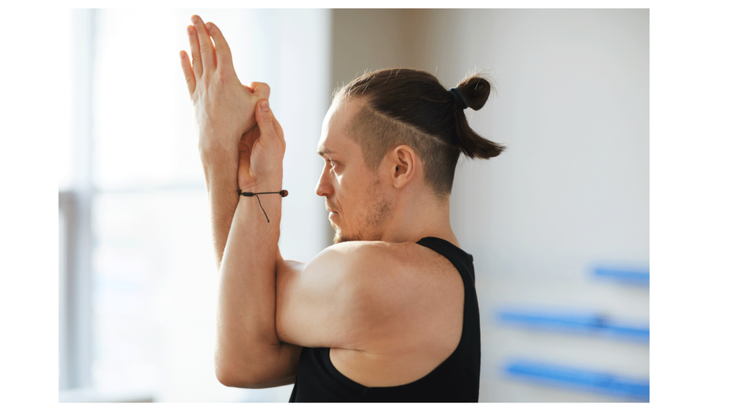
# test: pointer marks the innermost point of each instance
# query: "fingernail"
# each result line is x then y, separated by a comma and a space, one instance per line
209, 26
265, 106
190, 30
196, 19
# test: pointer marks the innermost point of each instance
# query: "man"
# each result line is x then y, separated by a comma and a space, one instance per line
388, 313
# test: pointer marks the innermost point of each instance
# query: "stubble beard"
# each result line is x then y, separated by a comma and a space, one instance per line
377, 212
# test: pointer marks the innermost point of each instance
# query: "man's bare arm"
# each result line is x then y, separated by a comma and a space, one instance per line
220, 180
249, 353
240, 151
224, 111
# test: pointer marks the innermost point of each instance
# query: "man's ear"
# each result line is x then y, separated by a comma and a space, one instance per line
402, 166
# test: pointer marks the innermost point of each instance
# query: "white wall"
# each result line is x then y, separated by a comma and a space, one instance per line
572, 189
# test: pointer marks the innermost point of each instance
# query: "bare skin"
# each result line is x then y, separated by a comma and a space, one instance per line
391, 310
237, 154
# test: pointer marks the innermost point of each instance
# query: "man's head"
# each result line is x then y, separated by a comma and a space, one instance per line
407, 117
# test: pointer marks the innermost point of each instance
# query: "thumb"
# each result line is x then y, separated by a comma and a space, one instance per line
265, 120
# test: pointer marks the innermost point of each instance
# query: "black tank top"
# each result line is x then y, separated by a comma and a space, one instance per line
454, 380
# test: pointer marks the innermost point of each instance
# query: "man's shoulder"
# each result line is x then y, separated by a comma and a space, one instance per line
392, 273
378, 258
411, 298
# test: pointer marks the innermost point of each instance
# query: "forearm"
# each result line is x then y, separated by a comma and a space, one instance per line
220, 167
247, 345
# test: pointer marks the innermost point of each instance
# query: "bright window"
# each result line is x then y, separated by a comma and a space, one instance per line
151, 280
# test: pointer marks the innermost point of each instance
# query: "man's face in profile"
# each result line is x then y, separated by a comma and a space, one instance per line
353, 192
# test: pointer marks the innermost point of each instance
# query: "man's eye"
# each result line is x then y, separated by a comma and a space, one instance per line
332, 163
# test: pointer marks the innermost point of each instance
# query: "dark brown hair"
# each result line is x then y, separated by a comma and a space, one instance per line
407, 106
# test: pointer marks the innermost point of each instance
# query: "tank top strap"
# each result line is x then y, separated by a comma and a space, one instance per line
462, 260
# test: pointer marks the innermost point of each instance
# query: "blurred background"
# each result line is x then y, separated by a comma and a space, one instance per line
558, 224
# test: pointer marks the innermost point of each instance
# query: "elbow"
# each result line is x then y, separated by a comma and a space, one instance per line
241, 375
229, 372
225, 377
233, 381
225, 374
234, 378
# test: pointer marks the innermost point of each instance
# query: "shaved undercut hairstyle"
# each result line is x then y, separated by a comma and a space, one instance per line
411, 107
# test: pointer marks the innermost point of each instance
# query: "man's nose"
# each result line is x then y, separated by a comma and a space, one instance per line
324, 188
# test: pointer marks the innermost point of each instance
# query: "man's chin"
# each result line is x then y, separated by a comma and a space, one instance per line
339, 238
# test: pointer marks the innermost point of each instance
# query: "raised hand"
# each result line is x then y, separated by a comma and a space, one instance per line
261, 152
224, 108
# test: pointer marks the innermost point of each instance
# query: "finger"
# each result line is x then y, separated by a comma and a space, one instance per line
268, 124
277, 127
207, 51
195, 52
188, 72
265, 120
224, 60
262, 90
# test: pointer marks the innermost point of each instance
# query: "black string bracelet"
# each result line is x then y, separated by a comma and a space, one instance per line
282, 193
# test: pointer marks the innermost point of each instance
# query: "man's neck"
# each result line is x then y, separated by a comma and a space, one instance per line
414, 220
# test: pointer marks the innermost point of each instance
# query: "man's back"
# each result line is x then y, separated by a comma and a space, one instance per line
429, 351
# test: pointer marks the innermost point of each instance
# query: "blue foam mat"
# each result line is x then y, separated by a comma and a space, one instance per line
579, 379
593, 324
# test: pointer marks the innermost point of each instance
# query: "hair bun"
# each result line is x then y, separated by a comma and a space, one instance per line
475, 90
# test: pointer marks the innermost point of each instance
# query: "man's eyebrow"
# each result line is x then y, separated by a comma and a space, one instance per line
322, 151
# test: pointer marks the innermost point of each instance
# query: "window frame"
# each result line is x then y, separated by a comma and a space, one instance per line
75, 276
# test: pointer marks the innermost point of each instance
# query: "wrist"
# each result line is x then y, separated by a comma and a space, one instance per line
211, 144
213, 154
267, 199
270, 184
